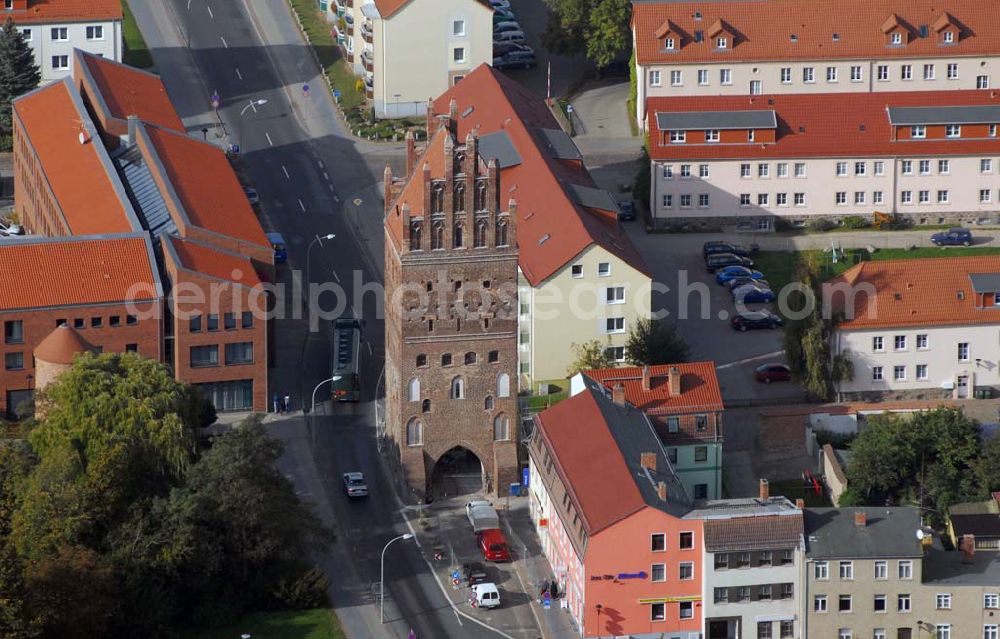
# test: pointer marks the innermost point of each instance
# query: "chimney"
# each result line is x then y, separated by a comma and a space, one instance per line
969, 546
661, 490
648, 460
618, 394
674, 379
800, 503
765, 490
388, 196
411, 152
133, 124
645, 379
860, 518
430, 117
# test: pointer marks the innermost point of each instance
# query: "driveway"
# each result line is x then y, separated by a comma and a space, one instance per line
566, 70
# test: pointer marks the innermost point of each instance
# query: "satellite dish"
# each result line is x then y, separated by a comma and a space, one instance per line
920, 534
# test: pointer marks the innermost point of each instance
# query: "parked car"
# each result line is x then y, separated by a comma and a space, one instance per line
515, 60
500, 4
506, 25
728, 273
482, 516
278, 244
355, 485
508, 36
501, 49
626, 210
743, 280
493, 545
711, 248
252, 195
502, 15
487, 595
751, 294
748, 320
474, 573
952, 237
722, 260
768, 373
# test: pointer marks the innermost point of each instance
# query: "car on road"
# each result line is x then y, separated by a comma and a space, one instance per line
750, 294
486, 595
722, 260
737, 282
474, 572
952, 237
252, 195
727, 273
508, 36
493, 545
712, 248
749, 320
626, 210
515, 60
768, 373
355, 485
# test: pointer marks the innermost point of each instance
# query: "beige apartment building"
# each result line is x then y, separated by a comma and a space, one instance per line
778, 47
933, 158
961, 594
407, 51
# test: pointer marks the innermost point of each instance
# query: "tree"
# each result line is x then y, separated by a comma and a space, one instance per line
598, 28
589, 355
18, 75
655, 342
73, 592
988, 466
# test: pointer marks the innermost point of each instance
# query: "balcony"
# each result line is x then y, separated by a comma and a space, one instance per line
367, 32
350, 56
369, 86
367, 61
349, 23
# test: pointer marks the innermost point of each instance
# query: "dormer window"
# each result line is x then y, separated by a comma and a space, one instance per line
678, 137
953, 131
897, 37
669, 44
948, 37
721, 42
918, 131
712, 135
750, 135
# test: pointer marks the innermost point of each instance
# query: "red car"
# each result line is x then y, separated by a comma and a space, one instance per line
493, 545
768, 373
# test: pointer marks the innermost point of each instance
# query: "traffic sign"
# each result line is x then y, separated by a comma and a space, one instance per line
305, 90
215, 100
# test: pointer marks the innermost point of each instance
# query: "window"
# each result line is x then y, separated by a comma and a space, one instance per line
701, 453
831, 74
721, 561
781, 199
841, 197
493, 357
239, 353
13, 361
701, 491
60, 62
414, 432
844, 633
782, 169
800, 169
925, 167
856, 74
685, 170
668, 200
658, 572
743, 593
944, 167
60, 34
95, 33
819, 603
881, 570
744, 199
676, 79
745, 171
923, 197
703, 77
763, 199
458, 27
26, 34
844, 603
963, 356
458, 55
799, 199
879, 167
750, 135
669, 44
942, 196
13, 332
942, 631
457, 388
982, 81
471, 358
841, 169
906, 197
721, 595
576, 270
501, 428
859, 168
847, 570
786, 75
907, 167
725, 76
678, 137
687, 610
991, 600
990, 631
899, 373
953, 131
658, 542
203, 356
877, 197
413, 389
922, 371
686, 570
673, 424
882, 72
952, 71
685, 200
928, 72
876, 373
905, 569
918, 131
115, 320
986, 165
657, 612
654, 79
614, 325
905, 71
503, 385
808, 74
764, 630
878, 603
859, 197
756, 87
229, 321
765, 558
712, 135
899, 342
685, 541
131, 348
721, 42
949, 37
942, 601
921, 341
703, 171
213, 322
671, 453
787, 629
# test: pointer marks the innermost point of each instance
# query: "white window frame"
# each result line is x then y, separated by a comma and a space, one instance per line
882, 73
808, 75
982, 82
62, 32
859, 198
878, 197
943, 196
953, 131
458, 27
899, 343
944, 167
878, 344
841, 169
821, 571
899, 373
952, 71
845, 570
676, 78
703, 171
63, 61
800, 173
604, 269
897, 37
831, 74
711, 135
905, 569
906, 72
918, 132
921, 372
678, 137
703, 77
942, 601
877, 375
986, 165
458, 55
900, 598
924, 167
985, 196
860, 169
799, 199
930, 71
614, 325
722, 42
725, 77
782, 169
820, 604
879, 168
614, 295
654, 78
786, 75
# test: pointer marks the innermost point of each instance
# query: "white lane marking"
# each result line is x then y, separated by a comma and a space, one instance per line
335, 198
370, 354
285, 172
750, 359
326, 176
224, 43
302, 206
238, 74
335, 276
457, 618
268, 136
330, 186
210, 14
320, 163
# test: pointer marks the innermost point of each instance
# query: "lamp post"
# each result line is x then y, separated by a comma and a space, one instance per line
252, 104
381, 583
312, 409
316, 240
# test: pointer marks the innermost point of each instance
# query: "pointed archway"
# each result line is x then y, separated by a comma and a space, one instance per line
459, 471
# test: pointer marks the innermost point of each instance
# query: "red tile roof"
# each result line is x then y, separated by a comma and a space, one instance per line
805, 128
130, 91
207, 186
81, 176
764, 28
386, 8
43, 11
214, 262
62, 345
544, 206
699, 387
921, 292
761, 532
40, 274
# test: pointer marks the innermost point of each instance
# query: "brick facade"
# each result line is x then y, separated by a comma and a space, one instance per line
451, 292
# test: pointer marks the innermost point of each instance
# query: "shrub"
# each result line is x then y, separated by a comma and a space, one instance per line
305, 592
855, 222
359, 85
820, 224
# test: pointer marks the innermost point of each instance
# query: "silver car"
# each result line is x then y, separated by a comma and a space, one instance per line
355, 485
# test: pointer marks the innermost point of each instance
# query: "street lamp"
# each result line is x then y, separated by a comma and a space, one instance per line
312, 409
252, 104
381, 583
316, 240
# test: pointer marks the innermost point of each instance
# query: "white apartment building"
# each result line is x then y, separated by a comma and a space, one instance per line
918, 328
735, 47
53, 28
753, 559
931, 157
408, 51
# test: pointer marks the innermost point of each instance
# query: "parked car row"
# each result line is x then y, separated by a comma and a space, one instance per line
733, 268
492, 545
509, 48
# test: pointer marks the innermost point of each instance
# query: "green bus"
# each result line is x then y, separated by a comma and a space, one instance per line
346, 359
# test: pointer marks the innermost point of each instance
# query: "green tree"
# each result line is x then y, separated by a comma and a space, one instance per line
655, 342
598, 28
589, 355
988, 466
18, 75
74, 593
16, 621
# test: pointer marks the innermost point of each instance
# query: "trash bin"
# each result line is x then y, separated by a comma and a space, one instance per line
515, 490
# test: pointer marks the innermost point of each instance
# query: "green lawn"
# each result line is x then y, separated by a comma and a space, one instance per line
318, 32
541, 402
795, 489
136, 53
297, 624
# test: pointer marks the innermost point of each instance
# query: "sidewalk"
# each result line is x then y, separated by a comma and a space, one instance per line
982, 237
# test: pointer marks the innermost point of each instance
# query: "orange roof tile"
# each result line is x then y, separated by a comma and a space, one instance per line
412, 193
82, 179
386, 8
920, 292
699, 387
78, 270
764, 28
62, 345
129, 91
207, 186
538, 183
67, 11
805, 128
213, 262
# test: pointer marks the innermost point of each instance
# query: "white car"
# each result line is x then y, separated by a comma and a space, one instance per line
355, 485
487, 595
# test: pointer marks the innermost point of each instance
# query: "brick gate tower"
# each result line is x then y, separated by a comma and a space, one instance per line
450, 317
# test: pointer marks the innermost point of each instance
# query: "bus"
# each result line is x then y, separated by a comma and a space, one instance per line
346, 359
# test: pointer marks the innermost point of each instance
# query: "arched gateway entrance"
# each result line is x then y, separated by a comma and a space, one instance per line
459, 471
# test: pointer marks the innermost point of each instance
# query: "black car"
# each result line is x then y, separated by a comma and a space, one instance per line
743, 280
474, 573
501, 49
713, 248
626, 210
515, 60
952, 237
722, 260
749, 320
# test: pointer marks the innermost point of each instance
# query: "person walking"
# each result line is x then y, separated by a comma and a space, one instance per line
276, 402
288, 403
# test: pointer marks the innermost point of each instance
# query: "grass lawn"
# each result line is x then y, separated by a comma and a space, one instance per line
136, 53
795, 489
560, 391
320, 623
318, 32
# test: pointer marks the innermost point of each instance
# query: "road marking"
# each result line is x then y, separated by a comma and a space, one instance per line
238, 74
224, 43
330, 186
750, 359
335, 276
210, 14
457, 618
302, 206
286, 172
370, 354
320, 163
268, 136
335, 198
326, 176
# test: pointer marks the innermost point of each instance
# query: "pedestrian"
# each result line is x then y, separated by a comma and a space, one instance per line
288, 403
276, 402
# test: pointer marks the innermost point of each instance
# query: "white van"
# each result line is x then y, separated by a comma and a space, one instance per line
487, 595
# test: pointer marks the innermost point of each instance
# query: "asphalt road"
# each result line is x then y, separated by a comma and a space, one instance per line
312, 180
